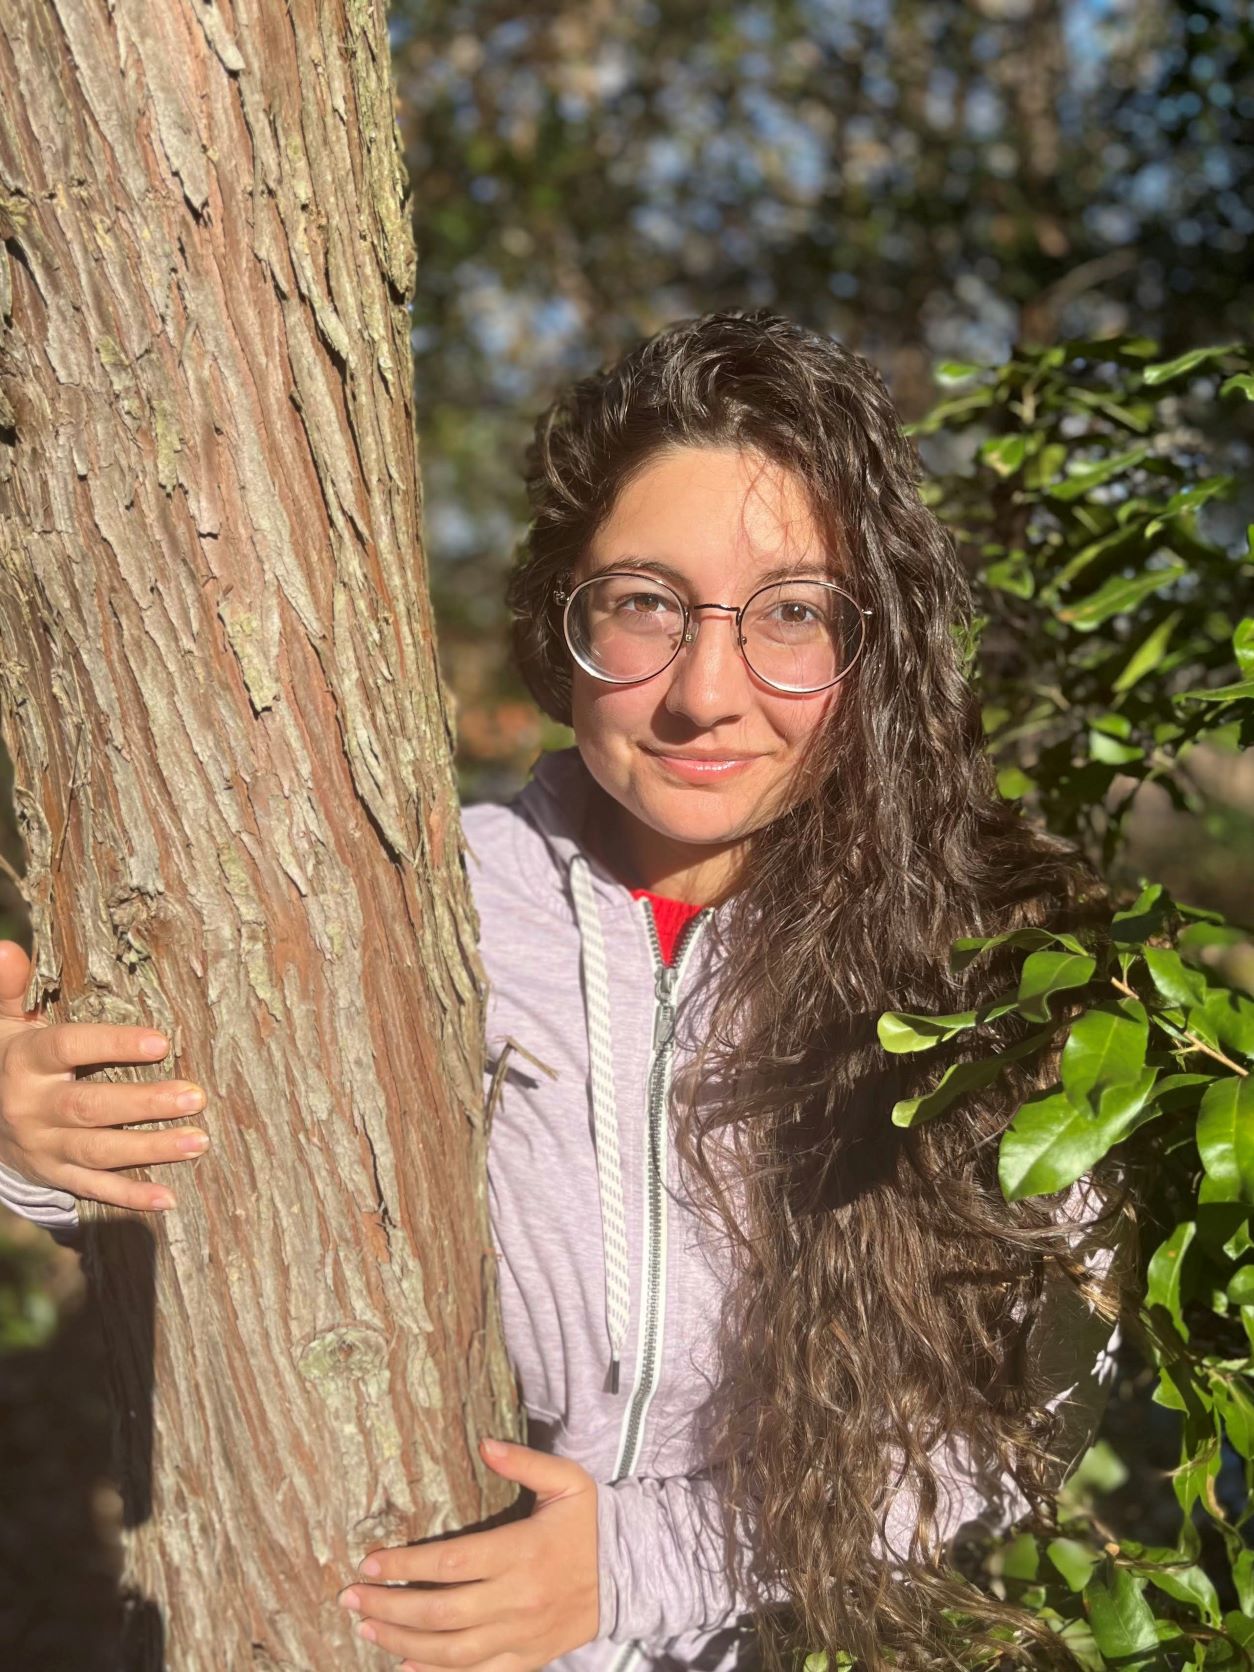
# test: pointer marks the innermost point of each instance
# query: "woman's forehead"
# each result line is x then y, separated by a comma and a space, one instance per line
697, 515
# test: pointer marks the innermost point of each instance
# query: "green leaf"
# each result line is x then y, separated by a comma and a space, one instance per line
1243, 1579
1145, 917
960, 1078
1241, 1287
901, 1031
1005, 453
1051, 1143
1165, 370
1111, 752
1118, 595
1045, 973
1243, 645
1122, 1621
1019, 1558
1177, 983
1044, 465
1114, 350
1086, 476
1220, 693
1236, 1407
1239, 383
1163, 1275
1101, 1469
1013, 783
1148, 654
1225, 1135
959, 407
1225, 1019
1175, 1091
1188, 499
1074, 1561
1106, 1046
1176, 1576
1011, 575
1116, 548
957, 371
968, 948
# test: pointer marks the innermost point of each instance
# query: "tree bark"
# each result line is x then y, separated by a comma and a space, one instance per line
232, 777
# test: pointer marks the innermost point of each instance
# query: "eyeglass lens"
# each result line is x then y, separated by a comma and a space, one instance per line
796, 635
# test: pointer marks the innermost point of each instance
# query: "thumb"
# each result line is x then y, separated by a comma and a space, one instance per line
14, 976
539, 1471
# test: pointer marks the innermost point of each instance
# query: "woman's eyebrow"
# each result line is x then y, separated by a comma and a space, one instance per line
781, 571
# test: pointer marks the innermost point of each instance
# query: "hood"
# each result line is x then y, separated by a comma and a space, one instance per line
558, 801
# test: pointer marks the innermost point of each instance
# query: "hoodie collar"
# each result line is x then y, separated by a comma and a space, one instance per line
558, 802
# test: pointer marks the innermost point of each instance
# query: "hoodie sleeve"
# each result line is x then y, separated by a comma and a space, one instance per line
660, 1541
55, 1209
660, 1555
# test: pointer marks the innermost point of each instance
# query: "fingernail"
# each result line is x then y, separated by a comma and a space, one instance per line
370, 1568
193, 1145
163, 1200
153, 1045
366, 1630
350, 1599
189, 1099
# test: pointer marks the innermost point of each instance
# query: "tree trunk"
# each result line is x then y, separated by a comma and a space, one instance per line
233, 781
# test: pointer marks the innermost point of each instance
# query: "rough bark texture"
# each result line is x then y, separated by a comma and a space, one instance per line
233, 782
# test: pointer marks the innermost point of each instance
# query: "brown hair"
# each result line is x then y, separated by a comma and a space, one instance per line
883, 1287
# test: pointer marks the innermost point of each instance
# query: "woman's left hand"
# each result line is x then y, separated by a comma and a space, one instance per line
512, 1598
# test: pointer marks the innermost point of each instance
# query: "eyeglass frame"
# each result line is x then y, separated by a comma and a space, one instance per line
688, 636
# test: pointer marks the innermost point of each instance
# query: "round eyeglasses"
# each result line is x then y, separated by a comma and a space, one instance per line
795, 635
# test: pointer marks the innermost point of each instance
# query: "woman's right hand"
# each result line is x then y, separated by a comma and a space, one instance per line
58, 1130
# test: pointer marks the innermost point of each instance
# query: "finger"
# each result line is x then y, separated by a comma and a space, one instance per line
468, 1556
14, 980
104, 1151
115, 1190
104, 1103
59, 1046
446, 1608
498, 1663
437, 1648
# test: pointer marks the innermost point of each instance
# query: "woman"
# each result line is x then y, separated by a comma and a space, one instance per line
797, 1347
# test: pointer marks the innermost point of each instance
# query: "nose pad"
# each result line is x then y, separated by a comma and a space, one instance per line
694, 626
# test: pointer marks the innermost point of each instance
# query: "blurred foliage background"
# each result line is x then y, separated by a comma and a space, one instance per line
928, 182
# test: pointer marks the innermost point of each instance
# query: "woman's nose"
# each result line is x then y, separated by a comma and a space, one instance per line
709, 679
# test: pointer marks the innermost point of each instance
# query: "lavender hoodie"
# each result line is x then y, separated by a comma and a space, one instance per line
610, 1284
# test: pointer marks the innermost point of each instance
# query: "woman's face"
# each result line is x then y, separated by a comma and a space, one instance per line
702, 753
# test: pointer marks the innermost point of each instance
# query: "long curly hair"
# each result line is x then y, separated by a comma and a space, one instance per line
882, 1289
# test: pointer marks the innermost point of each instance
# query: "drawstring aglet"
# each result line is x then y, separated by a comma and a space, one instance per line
611, 1381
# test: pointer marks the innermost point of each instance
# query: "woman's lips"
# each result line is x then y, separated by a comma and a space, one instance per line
703, 770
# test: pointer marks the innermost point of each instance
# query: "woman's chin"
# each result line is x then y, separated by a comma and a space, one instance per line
708, 825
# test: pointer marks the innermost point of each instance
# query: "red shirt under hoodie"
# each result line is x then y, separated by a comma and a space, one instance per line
672, 917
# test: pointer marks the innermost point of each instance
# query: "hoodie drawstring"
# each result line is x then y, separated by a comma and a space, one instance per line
604, 1113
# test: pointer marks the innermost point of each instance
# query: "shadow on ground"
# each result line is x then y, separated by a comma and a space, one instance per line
60, 1453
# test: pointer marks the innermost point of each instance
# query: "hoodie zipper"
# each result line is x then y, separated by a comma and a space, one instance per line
666, 981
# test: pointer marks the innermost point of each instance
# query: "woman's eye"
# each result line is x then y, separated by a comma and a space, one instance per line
642, 603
